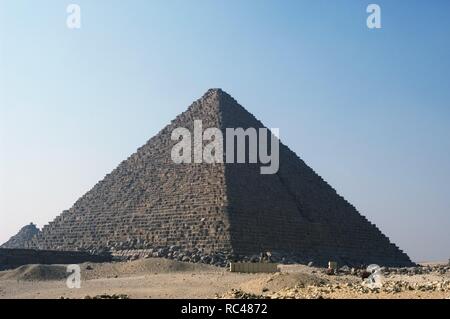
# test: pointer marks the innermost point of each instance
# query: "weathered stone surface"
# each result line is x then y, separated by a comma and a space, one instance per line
148, 202
22, 238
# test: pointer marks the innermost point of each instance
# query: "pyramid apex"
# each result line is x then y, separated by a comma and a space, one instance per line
216, 93
219, 95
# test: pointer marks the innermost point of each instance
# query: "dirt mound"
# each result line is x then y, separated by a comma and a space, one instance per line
141, 267
36, 273
280, 281
104, 270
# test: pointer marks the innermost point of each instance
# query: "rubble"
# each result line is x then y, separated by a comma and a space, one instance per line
219, 259
419, 270
239, 294
325, 291
106, 296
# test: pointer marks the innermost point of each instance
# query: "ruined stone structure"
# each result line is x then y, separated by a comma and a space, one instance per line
148, 201
22, 238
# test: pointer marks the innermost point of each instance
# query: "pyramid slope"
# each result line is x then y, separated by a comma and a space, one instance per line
295, 211
148, 201
22, 238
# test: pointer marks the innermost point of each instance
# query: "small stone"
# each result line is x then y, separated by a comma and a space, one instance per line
345, 270
365, 274
330, 272
186, 259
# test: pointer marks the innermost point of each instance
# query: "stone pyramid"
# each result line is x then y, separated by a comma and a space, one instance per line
22, 238
148, 201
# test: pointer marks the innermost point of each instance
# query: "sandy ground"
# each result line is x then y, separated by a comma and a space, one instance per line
161, 278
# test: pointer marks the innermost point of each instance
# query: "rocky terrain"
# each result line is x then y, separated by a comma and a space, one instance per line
413, 282
165, 278
200, 256
23, 238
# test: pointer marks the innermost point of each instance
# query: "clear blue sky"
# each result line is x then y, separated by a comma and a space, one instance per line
369, 110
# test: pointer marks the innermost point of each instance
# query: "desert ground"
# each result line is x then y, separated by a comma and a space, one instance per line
162, 278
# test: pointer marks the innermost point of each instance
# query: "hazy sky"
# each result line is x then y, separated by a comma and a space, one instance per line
369, 110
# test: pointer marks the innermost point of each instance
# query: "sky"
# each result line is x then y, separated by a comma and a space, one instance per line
367, 109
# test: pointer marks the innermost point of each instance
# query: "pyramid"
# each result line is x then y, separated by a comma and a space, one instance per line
22, 238
149, 201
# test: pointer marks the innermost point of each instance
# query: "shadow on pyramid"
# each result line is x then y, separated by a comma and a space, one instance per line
149, 202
